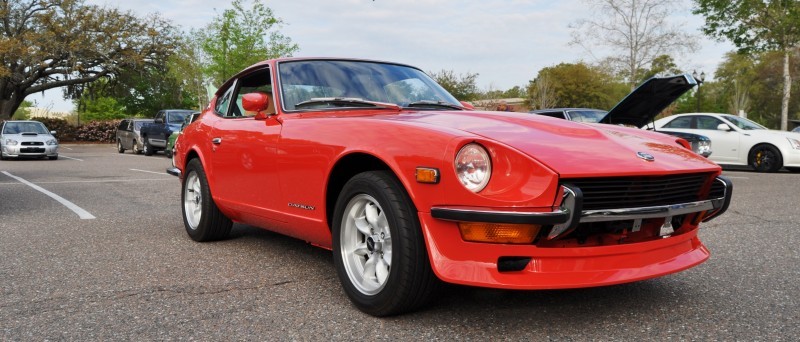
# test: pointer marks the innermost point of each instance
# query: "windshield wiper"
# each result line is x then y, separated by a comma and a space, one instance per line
439, 104
346, 101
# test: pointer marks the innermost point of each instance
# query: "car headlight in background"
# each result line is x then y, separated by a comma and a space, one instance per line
794, 142
473, 167
11, 142
52, 142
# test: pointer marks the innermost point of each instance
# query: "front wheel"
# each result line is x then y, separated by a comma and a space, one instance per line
378, 248
201, 217
120, 149
765, 158
148, 149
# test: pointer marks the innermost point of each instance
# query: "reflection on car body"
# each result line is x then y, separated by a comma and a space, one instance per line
409, 187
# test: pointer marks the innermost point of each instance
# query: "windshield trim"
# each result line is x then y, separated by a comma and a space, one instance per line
280, 90
727, 117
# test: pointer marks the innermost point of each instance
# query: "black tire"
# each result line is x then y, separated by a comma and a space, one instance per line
120, 149
410, 283
53, 157
212, 223
765, 158
136, 149
148, 149
168, 152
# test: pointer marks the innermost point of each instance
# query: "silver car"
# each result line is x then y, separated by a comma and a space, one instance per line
129, 135
27, 139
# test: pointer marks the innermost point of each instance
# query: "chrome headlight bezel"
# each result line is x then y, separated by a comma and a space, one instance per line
11, 142
52, 142
473, 167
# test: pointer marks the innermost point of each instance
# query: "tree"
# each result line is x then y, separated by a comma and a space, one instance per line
757, 25
24, 111
737, 71
461, 86
49, 44
240, 37
580, 85
186, 66
636, 30
541, 92
102, 108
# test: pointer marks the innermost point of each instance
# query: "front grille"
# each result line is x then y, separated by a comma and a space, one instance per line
717, 190
640, 191
32, 150
32, 143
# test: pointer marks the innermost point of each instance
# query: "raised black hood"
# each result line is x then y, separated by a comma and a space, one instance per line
642, 105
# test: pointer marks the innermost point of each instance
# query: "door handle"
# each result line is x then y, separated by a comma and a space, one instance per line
216, 141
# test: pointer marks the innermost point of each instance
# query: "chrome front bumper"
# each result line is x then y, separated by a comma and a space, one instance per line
564, 219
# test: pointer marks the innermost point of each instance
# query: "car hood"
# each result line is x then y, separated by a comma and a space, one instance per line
649, 99
570, 148
28, 137
771, 133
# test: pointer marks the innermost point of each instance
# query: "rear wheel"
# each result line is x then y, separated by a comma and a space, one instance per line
120, 149
136, 149
765, 158
201, 217
378, 248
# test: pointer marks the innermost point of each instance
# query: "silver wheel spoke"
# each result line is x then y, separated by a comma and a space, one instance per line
369, 270
372, 215
361, 249
362, 225
381, 271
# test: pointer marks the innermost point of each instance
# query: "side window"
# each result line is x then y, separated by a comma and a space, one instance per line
223, 102
708, 122
681, 122
557, 115
123, 125
258, 81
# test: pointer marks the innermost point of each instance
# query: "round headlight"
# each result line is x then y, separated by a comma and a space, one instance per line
52, 142
473, 167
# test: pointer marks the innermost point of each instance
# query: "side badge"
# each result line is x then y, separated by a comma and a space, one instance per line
646, 156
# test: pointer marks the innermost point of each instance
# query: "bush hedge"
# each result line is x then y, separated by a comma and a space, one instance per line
93, 131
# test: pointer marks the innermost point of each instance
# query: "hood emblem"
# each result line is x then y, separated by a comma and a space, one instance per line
646, 156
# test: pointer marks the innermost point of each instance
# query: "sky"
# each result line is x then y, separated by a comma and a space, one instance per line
506, 42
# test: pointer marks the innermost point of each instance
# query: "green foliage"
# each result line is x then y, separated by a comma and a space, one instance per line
580, 85
185, 66
752, 25
23, 112
101, 108
462, 86
242, 36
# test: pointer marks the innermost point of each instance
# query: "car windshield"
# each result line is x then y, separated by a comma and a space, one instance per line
177, 117
743, 123
24, 127
593, 116
316, 83
137, 125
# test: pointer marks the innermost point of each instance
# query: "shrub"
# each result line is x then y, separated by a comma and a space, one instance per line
93, 131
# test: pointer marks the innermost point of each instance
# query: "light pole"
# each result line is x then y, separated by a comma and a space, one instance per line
699, 78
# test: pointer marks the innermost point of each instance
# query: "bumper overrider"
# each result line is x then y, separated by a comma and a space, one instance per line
527, 266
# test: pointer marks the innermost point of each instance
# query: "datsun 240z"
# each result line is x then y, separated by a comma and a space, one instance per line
410, 187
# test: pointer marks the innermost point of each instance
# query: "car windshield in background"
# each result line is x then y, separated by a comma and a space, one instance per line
177, 117
743, 123
592, 116
24, 127
316, 83
138, 124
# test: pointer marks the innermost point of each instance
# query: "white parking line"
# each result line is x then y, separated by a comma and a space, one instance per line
83, 214
158, 173
63, 156
99, 181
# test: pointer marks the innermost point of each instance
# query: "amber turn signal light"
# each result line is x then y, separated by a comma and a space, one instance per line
427, 175
498, 232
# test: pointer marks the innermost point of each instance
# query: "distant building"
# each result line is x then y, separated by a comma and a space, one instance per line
39, 112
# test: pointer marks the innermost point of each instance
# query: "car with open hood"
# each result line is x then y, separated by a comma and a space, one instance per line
739, 141
638, 109
410, 187
27, 139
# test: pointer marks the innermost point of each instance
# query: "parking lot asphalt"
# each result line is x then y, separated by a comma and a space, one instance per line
132, 273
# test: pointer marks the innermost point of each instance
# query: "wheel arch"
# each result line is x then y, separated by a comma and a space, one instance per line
347, 167
757, 145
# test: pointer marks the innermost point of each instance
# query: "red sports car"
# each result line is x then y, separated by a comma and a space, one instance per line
409, 187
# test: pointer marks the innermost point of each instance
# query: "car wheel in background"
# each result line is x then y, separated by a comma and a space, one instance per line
136, 149
378, 248
52, 157
120, 149
148, 149
765, 158
201, 217
169, 152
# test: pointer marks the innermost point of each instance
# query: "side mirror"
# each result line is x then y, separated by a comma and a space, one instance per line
256, 102
160, 120
723, 127
467, 105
